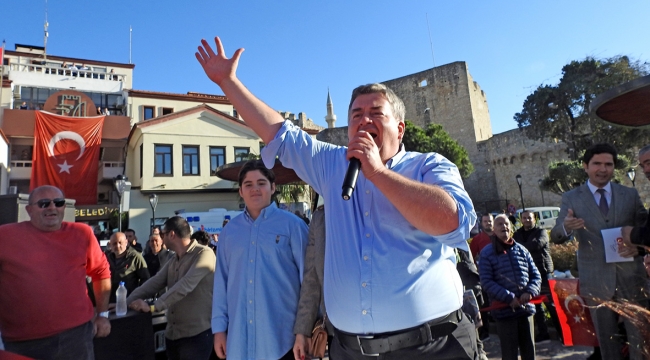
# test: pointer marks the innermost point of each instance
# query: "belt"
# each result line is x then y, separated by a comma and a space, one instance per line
375, 345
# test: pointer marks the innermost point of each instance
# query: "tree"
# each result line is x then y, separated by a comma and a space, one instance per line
562, 111
566, 175
435, 139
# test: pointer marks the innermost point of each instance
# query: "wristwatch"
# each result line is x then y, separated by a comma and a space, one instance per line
103, 314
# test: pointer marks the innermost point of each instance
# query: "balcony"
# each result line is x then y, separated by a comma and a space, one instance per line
111, 169
55, 76
20, 170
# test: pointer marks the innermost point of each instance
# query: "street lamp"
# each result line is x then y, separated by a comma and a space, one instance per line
153, 201
632, 175
120, 182
540, 182
523, 206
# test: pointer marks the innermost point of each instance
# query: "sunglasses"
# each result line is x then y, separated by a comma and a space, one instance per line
44, 203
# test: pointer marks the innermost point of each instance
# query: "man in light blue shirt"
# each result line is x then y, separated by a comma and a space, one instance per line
390, 280
258, 275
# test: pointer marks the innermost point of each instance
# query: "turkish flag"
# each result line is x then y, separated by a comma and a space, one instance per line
577, 326
66, 154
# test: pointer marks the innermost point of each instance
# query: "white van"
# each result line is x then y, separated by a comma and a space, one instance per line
545, 215
210, 221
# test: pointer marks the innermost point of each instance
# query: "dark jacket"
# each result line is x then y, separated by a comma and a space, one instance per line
157, 261
536, 242
132, 269
641, 234
506, 273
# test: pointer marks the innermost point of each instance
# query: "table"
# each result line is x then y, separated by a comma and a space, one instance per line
131, 337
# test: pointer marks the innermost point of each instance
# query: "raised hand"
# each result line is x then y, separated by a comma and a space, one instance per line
217, 66
573, 223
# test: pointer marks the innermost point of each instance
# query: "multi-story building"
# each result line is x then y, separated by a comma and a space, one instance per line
167, 144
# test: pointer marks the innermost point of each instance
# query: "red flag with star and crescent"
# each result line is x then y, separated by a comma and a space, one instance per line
574, 316
66, 154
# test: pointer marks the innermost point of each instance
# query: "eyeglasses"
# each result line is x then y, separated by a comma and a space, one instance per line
163, 233
44, 203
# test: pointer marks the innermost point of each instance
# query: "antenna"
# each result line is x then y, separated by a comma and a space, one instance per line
130, 42
45, 35
430, 42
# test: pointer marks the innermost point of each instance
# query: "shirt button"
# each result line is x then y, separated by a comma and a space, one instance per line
367, 191
364, 312
365, 257
250, 281
253, 242
250, 301
366, 213
367, 235
363, 284
250, 321
251, 260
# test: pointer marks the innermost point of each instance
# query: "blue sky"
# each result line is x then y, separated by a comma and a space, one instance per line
296, 50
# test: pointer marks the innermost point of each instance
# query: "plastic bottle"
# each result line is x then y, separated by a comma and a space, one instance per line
120, 294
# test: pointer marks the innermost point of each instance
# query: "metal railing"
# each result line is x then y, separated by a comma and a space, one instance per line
85, 72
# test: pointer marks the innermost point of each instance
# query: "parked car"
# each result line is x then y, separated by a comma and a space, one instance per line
545, 215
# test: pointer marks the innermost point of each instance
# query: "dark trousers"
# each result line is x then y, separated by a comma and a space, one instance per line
461, 344
540, 319
517, 334
190, 348
72, 344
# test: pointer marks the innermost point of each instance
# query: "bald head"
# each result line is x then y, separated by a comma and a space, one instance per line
118, 244
44, 214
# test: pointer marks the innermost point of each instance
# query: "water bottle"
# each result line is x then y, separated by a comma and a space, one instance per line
120, 294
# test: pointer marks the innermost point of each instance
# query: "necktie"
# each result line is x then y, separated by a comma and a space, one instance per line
602, 204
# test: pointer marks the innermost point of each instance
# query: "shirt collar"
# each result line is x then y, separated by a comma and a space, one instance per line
593, 188
397, 158
266, 211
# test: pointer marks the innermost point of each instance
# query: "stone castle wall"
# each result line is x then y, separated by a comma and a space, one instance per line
447, 95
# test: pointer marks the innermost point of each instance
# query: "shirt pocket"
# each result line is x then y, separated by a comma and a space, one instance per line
276, 242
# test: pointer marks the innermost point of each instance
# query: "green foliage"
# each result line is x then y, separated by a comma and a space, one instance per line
562, 111
114, 220
564, 255
566, 175
435, 139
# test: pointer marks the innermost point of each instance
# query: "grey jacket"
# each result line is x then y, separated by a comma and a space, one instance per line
598, 278
311, 292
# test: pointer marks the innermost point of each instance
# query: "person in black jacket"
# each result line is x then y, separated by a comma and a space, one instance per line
535, 240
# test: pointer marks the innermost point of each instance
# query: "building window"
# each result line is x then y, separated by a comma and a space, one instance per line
141, 159
163, 156
166, 111
190, 160
149, 112
217, 158
241, 154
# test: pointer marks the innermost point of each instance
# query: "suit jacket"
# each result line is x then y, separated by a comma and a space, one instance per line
598, 278
311, 291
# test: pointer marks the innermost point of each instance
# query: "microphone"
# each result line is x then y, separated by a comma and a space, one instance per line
350, 180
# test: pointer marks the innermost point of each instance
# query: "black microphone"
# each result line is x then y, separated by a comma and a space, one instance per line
350, 180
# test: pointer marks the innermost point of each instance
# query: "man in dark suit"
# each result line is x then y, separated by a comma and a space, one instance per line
585, 211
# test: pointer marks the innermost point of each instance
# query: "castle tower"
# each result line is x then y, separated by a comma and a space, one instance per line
447, 95
331, 117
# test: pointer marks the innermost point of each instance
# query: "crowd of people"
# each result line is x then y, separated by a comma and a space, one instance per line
385, 270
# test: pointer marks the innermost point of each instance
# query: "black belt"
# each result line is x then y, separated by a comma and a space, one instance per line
374, 345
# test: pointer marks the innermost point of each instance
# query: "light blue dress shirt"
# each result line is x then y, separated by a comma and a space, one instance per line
257, 283
381, 273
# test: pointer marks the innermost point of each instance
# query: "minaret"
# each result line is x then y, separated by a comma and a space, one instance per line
330, 118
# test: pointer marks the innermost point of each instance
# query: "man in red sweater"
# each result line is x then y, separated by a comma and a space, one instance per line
45, 311
483, 238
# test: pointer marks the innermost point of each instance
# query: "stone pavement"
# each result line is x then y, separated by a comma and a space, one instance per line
550, 350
